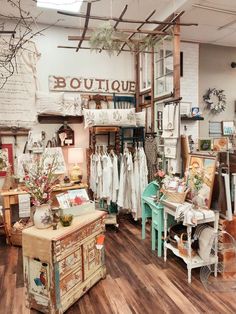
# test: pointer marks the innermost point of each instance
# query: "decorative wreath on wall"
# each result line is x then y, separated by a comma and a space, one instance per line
215, 100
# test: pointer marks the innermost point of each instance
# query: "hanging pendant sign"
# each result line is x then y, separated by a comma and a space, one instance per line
96, 85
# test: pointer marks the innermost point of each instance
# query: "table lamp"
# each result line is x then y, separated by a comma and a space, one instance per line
75, 157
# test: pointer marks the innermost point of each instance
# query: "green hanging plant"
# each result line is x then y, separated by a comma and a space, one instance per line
148, 43
106, 37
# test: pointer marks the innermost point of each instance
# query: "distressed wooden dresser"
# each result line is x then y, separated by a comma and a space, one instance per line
61, 265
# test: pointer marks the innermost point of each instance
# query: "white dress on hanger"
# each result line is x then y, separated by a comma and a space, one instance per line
99, 177
107, 177
115, 179
93, 173
137, 186
120, 199
143, 175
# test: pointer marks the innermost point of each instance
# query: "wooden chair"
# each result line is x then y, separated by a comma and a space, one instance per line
124, 102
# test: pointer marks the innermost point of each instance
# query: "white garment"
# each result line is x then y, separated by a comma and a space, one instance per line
99, 177
93, 173
169, 117
106, 177
143, 170
115, 179
131, 182
167, 131
120, 199
138, 212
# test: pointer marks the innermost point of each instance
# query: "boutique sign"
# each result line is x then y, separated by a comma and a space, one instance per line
97, 85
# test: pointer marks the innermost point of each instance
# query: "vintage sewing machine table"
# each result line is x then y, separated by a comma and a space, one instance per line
61, 265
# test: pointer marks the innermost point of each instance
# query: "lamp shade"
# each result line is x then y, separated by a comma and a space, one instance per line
75, 155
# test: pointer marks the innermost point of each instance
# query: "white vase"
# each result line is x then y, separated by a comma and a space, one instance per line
42, 216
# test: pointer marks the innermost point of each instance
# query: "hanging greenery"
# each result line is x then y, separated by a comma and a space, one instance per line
106, 37
215, 100
148, 43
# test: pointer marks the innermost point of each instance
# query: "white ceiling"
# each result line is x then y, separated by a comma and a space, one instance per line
209, 21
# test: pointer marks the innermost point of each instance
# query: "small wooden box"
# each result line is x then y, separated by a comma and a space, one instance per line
79, 210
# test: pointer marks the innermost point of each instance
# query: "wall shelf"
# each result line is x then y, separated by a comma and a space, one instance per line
47, 118
192, 118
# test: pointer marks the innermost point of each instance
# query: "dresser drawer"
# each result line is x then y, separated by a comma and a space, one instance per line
68, 282
92, 257
70, 243
69, 262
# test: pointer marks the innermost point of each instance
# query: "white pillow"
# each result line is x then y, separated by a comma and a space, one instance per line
206, 239
49, 103
141, 118
117, 117
72, 104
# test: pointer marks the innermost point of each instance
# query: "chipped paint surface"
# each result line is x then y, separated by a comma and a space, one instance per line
75, 267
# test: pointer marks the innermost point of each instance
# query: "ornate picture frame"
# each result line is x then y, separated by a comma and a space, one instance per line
208, 165
6, 157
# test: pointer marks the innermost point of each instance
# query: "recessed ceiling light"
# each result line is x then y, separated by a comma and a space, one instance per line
63, 5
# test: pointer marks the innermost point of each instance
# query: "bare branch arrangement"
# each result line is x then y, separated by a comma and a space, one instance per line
23, 28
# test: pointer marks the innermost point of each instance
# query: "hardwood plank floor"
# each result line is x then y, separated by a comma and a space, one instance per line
137, 281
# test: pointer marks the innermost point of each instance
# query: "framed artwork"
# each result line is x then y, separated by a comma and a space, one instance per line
6, 158
220, 144
228, 127
215, 129
195, 111
204, 144
206, 165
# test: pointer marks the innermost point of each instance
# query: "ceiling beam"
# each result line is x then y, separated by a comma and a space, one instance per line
75, 37
205, 7
85, 25
87, 38
122, 14
8, 32
106, 18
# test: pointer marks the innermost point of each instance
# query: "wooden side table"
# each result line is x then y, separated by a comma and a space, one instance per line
202, 216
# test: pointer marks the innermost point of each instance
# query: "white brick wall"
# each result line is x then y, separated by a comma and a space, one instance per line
189, 84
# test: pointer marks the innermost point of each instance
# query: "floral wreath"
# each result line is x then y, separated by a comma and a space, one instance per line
215, 100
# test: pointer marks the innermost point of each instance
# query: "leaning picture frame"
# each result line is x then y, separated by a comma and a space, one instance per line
220, 144
228, 127
206, 165
6, 159
204, 144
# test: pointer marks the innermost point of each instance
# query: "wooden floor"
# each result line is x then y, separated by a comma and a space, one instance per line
137, 282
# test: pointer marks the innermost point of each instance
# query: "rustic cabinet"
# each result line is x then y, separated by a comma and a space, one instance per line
61, 265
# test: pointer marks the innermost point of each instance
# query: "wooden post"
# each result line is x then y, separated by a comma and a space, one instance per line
137, 80
152, 92
176, 60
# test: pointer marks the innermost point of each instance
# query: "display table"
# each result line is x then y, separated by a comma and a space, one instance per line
11, 198
61, 265
202, 216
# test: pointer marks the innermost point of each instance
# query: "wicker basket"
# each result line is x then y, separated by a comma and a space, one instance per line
175, 197
183, 246
16, 237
